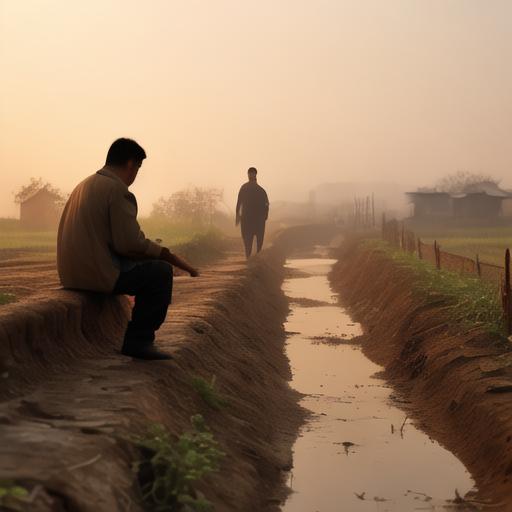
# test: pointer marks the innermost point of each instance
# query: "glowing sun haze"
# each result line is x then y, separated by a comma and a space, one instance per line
306, 91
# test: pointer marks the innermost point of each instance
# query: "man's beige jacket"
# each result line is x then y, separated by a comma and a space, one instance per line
99, 229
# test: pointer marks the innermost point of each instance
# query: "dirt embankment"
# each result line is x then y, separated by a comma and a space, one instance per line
69, 400
459, 379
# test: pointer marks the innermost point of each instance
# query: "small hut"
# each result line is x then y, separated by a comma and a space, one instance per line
41, 210
429, 204
480, 200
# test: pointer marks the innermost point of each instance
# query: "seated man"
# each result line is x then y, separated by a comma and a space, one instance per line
101, 248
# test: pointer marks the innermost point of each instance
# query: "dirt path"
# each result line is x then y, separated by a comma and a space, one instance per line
24, 277
458, 379
70, 400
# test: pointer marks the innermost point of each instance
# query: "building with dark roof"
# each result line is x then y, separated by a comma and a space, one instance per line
480, 200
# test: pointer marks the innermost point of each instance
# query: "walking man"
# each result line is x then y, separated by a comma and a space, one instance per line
252, 212
101, 248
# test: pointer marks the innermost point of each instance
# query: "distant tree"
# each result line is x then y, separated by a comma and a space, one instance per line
458, 182
195, 204
35, 185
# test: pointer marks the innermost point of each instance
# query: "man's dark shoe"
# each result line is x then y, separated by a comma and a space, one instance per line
149, 353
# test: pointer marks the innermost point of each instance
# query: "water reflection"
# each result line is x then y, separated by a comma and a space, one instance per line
356, 453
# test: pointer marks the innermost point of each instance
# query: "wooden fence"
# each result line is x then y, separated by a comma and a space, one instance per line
364, 212
397, 235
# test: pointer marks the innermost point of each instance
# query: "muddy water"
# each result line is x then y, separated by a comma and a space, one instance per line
357, 452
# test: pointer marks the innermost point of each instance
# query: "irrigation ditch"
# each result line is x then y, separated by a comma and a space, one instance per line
77, 419
456, 378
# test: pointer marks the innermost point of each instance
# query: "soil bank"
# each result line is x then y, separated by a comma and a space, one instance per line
69, 400
459, 379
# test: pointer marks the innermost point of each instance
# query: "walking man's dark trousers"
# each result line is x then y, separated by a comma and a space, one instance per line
253, 228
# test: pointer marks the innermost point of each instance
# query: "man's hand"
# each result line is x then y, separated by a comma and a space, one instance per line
173, 259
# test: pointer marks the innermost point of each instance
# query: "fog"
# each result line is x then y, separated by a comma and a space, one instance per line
399, 92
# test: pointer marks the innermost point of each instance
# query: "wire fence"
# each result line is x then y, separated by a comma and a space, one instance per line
398, 236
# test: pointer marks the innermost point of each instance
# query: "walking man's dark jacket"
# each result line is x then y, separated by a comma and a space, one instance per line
252, 204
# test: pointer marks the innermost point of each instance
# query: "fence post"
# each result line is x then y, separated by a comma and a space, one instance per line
437, 254
403, 237
507, 302
373, 210
384, 225
420, 255
478, 267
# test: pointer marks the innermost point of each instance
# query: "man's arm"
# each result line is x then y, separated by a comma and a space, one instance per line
127, 238
267, 204
173, 259
239, 204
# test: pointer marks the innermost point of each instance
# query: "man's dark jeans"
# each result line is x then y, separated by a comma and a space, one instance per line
253, 228
151, 284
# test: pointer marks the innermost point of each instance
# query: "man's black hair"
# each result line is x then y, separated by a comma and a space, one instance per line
252, 170
124, 150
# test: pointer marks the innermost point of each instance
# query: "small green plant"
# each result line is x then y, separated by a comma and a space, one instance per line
172, 466
12, 495
209, 393
5, 298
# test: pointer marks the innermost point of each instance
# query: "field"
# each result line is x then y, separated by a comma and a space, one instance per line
27, 258
488, 242
37, 244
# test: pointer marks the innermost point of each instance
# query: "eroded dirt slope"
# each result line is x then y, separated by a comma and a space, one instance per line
70, 400
459, 379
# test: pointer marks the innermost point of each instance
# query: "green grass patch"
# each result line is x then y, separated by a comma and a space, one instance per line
173, 233
196, 243
34, 241
171, 467
6, 298
202, 249
199, 244
489, 243
209, 392
12, 495
12, 236
469, 300
489, 250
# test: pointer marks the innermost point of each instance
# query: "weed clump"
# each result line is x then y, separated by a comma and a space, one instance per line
171, 467
12, 495
209, 393
469, 300
6, 298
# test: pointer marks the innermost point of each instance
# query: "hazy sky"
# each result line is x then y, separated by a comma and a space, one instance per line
305, 90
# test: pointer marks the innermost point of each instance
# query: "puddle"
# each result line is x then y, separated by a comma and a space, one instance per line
355, 453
